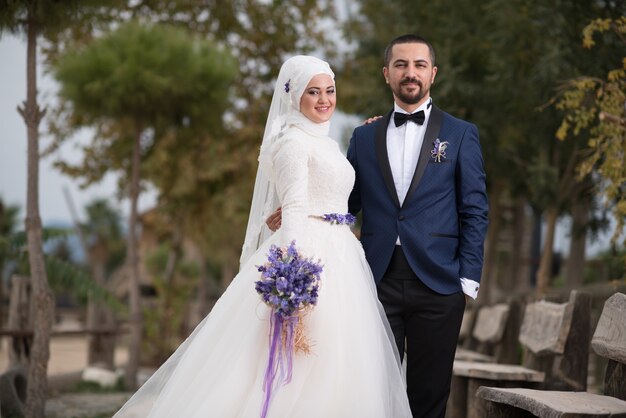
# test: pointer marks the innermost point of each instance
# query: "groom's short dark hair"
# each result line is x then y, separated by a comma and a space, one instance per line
408, 39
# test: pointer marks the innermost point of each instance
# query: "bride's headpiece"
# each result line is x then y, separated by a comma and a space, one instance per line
293, 78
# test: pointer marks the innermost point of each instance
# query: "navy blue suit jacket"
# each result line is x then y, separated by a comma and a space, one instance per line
443, 221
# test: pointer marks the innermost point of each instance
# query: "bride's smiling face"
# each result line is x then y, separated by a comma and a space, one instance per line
318, 100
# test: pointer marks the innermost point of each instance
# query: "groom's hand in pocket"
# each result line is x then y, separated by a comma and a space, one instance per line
274, 220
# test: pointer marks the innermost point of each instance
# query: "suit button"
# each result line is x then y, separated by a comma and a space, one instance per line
401, 217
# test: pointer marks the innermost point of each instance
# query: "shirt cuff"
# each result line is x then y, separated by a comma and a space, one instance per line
470, 287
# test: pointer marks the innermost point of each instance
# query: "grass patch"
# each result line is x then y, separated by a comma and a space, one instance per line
93, 387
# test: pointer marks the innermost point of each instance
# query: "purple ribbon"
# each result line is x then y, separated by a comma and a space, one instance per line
280, 357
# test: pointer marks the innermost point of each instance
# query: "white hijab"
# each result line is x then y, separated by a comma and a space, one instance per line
284, 112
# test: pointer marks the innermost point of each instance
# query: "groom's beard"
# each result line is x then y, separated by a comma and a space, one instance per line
410, 98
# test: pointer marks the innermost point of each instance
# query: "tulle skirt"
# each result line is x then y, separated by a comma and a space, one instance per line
353, 368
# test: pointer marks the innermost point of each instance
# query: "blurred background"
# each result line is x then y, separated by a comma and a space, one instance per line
154, 113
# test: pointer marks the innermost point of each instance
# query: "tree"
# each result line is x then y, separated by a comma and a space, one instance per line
105, 247
34, 18
42, 295
135, 86
596, 106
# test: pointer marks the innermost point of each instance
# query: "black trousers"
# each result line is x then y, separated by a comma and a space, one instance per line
429, 323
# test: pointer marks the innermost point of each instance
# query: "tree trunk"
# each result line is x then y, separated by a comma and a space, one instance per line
101, 346
578, 242
173, 256
519, 264
535, 246
42, 297
2, 261
134, 299
20, 318
488, 283
545, 266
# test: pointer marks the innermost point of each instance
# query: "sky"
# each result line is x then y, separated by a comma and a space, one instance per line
53, 206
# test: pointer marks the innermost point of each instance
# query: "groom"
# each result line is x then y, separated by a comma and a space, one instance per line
421, 186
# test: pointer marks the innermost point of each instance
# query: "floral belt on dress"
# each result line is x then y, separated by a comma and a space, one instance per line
337, 218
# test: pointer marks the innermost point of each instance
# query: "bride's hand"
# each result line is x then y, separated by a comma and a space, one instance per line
274, 220
371, 120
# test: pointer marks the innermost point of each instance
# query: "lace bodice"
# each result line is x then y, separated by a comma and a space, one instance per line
312, 177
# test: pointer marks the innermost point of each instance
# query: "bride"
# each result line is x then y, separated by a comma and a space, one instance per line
352, 368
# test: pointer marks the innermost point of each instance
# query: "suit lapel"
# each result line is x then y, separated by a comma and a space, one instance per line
432, 132
383, 157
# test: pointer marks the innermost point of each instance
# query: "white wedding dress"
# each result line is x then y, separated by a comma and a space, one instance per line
353, 369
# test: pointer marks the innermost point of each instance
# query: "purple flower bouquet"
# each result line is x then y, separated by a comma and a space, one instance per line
289, 285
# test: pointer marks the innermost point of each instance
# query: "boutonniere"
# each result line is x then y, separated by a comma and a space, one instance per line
439, 151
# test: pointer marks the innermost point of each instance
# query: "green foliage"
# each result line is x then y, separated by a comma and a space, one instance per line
164, 316
606, 266
93, 387
145, 73
103, 233
544, 183
12, 414
13, 248
8, 224
596, 106
50, 16
63, 275
140, 79
8, 218
19, 239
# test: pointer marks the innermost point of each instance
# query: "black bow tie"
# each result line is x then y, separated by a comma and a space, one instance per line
400, 118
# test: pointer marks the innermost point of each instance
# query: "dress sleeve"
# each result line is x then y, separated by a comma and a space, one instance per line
291, 170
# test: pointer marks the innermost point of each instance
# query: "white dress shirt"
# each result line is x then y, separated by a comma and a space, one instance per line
404, 144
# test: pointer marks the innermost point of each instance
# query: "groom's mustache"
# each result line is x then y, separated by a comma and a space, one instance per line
410, 81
